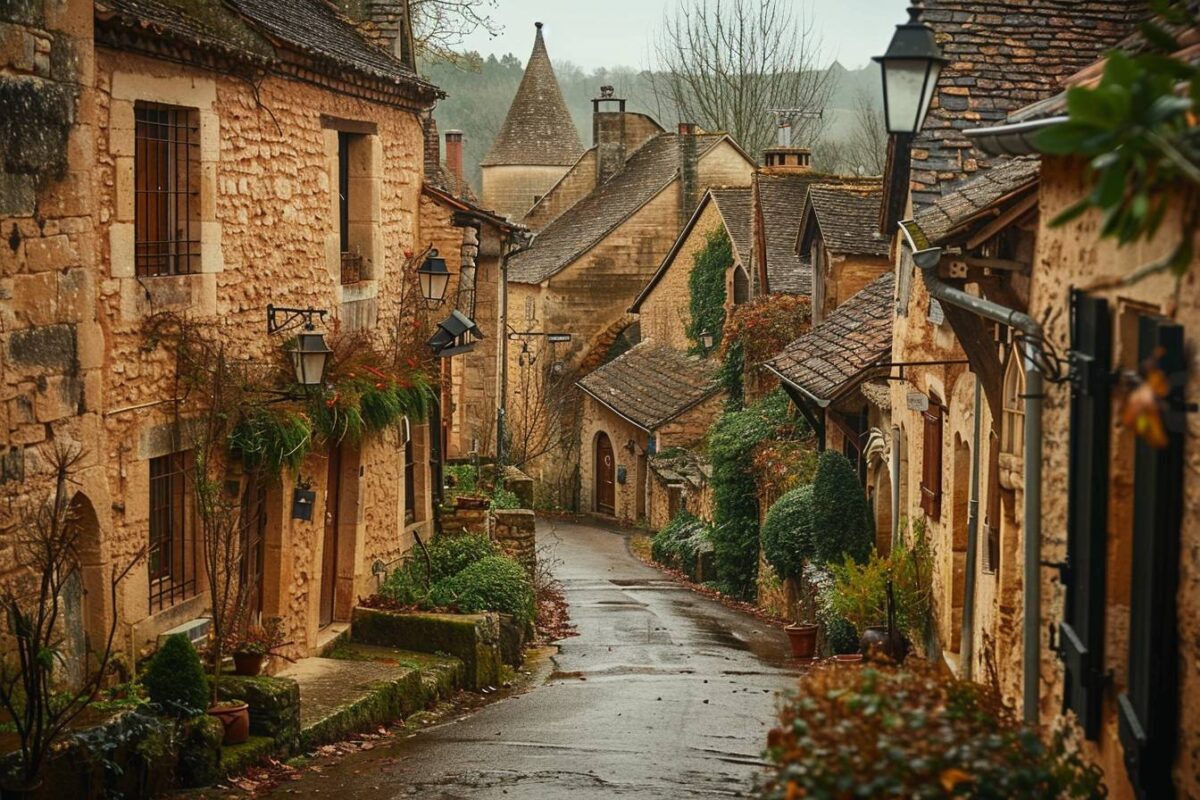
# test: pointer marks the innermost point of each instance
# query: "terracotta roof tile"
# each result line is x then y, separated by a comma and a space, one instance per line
651, 384
538, 129
945, 214
848, 218
840, 351
647, 172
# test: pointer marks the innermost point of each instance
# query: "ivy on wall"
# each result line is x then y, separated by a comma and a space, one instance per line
706, 287
756, 332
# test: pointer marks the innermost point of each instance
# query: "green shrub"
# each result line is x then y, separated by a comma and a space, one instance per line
450, 555
461, 478
860, 590
503, 498
842, 521
495, 583
271, 440
787, 532
175, 680
680, 542
880, 731
408, 585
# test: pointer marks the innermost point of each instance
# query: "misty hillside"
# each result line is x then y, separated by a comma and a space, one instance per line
480, 91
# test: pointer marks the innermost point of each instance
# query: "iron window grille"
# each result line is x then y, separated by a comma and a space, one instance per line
167, 188
172, 548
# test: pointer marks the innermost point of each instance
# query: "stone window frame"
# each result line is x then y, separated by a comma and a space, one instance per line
1012, 423
179, 580
197, 290
364, 204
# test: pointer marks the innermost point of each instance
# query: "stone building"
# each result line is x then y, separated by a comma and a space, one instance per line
649, 400
536, 146
207, 163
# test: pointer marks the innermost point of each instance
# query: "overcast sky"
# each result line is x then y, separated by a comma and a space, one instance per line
612, 33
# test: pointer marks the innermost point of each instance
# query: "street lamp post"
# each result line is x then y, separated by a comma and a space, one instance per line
434, 277
910, 70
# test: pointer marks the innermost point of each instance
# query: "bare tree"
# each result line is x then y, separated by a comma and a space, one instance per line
439, 26
542, 411
866, 149
46, 541
725, 63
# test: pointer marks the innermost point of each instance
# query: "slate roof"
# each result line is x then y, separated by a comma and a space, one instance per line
651, 384
646, 173
734, 205
848, 218
781, 200
975, 196
253, 29
538, 129
839, 352
1003, 55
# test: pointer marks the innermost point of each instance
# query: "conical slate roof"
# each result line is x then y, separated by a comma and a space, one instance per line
538, 129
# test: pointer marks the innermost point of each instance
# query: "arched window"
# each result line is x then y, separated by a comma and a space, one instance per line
1012, 426
741, 285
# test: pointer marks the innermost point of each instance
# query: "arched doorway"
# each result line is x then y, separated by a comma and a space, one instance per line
606, 490
84, 597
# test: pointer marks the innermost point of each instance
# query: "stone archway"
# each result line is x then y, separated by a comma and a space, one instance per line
84, 601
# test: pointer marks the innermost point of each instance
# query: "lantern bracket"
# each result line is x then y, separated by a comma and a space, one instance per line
291, 317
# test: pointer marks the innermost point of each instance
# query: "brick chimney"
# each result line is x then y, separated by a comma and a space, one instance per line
784, 155
689, 178
391, 26
454, 159
432, 148
608, 134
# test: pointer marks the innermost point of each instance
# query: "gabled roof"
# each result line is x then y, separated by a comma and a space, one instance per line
255, 30
840, 352
781, 200
651, 384
649, 170
975, 197
732, 204
847, 218
538, 129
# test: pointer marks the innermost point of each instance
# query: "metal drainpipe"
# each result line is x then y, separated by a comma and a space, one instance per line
895, 484
967, 651
1032, 517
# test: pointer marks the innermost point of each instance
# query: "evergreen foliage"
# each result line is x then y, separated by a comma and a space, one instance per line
841, 517
175, 680
681, 541
787, 533
450, 555
271, 440
495, 583
706, 286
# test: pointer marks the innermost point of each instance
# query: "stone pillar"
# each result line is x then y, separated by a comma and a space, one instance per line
514, 532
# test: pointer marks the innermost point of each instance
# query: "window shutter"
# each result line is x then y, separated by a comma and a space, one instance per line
1149, 708
1082, 628
931, 460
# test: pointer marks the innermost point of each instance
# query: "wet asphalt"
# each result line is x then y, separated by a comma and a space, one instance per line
664, 694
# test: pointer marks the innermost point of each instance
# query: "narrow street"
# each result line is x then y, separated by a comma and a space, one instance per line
663, 694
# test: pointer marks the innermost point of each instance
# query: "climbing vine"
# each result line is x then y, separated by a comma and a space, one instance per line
756, 332
706, 286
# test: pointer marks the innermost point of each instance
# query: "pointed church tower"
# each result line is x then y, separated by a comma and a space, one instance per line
537, 144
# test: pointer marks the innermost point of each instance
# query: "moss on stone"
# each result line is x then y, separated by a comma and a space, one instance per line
240, 757
472, 638
200, 754
274, 705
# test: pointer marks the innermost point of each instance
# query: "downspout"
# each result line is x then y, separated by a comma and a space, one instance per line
895, 484
927, 258
967, 651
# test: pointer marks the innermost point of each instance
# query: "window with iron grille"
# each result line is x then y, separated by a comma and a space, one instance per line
166, 169
172, 548
931, 460
352, 260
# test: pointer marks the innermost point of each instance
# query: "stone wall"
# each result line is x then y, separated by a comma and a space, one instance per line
629, 497
665, 313
689, 428
514, 532
571, 187
512, 190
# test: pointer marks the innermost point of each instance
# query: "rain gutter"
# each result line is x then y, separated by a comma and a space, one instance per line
1012, 140
927, 257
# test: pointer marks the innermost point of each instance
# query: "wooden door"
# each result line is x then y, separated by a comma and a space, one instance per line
606, 490
254, 528
329, 551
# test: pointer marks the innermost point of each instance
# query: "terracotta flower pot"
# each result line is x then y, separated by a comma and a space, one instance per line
236, 719
803, 638
249, 664
874, 636
848, 658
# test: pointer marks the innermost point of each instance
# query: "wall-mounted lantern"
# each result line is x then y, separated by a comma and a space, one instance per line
707, 339
308, 352
435, 277
303, 498
910, 70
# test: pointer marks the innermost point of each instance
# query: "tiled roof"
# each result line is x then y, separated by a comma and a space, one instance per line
647, 172
973, 197
538, 129
848, 218
1003, 54
651, 384
252, 28
734, 205
837, 353
781, 198
678, 465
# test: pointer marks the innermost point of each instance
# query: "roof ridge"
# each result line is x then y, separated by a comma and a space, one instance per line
538, 129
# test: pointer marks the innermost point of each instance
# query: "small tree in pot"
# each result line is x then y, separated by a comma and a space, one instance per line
787, 541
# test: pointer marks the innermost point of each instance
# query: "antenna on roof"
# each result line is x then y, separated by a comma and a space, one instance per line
784, 118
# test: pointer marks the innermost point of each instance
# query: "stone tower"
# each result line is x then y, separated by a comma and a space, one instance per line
537, 144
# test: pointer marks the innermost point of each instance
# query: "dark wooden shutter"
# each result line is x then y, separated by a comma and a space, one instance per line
1082, 628
931, 460
1149, 707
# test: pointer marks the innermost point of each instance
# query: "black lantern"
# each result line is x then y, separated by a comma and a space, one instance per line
434, 279
910, 69
308, 351
706, 339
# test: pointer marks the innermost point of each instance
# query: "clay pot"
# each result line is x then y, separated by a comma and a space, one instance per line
235, 717
803, 639
848, 658
248, 664
470, 501
875, 636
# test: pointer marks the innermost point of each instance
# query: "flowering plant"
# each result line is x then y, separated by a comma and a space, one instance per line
259, 640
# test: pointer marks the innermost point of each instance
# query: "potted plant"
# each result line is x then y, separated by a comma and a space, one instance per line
787, 540
235, 716
255, 644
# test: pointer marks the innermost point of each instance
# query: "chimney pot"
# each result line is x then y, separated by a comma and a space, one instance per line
454, 157
687, 129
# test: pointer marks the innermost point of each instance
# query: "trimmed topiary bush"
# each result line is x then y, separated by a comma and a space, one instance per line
679, 543
881, 731
842, 524
495, 583
175, 680
787, 532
